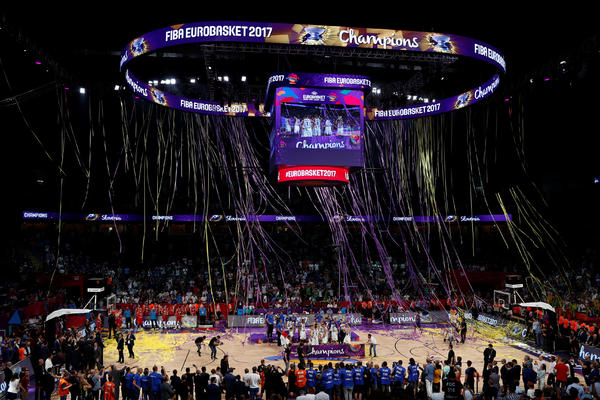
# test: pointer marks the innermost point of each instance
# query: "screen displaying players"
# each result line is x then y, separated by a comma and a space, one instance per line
317, 127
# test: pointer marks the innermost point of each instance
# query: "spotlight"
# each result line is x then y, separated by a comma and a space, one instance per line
563, 62
243, 78
408, 97
82, 90
117, 87
192, 80
173, 81
226, 78
596, 180
219, 78
426, 100
155, 82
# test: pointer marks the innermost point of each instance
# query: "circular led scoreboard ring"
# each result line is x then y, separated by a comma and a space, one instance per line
311, 35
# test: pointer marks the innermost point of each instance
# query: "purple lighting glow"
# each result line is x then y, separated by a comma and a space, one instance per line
546, 80
38, 63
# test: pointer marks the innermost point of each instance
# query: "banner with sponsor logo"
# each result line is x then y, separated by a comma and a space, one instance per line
409, 318
93, 217
187, 321
307, 174
310, 35
238, 321
492, 320
331, 351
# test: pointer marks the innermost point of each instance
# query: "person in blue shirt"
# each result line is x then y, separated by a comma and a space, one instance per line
399, 374
279, 329
319, 317
128, 392
155, 382
348, 381
270, 322
153, 319
311, 378
413, 374
146, 385
385, 376
137, 385
337, 382
374, 377
327, 380
359, 381
127, 315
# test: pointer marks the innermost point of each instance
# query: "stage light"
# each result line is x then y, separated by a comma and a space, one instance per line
408, 97
546, 80
173, 81
117, 87
209, 67
192, 80
243, 78
415, 97
563, 62
155, 82
226, 78
38, 63
433, 101
596, 180
219, 78
66, 88
82, 90
426, 100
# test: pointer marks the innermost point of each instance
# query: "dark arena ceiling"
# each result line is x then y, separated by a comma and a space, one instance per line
551, 56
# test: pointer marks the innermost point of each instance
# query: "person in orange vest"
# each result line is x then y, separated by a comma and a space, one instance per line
63, 386
301, 379
109, 389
